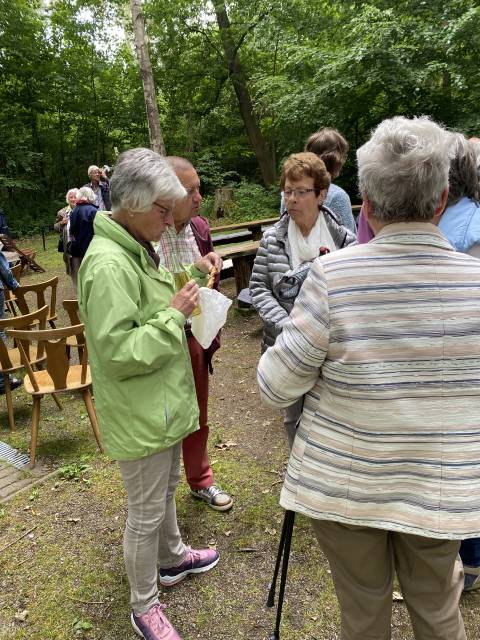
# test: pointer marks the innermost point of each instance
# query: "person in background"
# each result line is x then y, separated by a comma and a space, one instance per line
331, 147
460, 224
100, 185
80, 229
475, 142
141, 372
306, 230
4, 228
62, 224
6, 280
184, 243
384, 340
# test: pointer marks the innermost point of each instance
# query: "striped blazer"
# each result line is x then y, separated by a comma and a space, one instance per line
384, 340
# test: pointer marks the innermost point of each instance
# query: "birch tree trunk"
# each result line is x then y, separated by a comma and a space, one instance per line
239, 80
154, 128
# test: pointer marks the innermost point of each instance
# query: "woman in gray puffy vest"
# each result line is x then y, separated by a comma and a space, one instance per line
306, 230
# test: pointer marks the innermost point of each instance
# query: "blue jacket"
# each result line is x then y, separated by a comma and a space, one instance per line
6, 276
81, 228
460, 224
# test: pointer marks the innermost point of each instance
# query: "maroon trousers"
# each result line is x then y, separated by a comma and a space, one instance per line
195, 454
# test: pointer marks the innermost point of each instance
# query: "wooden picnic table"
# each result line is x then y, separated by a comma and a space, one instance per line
242, 256
254, 226
242, 253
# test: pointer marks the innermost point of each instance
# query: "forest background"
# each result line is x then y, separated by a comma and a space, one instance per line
71, 93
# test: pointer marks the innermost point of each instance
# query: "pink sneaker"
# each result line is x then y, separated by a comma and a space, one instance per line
196, 561
154, 624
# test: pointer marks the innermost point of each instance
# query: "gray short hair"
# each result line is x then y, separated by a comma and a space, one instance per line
91, 169
475, 142
74, 190
463, 179
140, 177
85, 193
403, 168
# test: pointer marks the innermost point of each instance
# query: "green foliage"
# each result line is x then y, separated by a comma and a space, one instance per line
71, 93
75, 471
250, 201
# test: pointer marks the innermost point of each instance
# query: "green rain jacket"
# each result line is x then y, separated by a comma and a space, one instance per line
142, 375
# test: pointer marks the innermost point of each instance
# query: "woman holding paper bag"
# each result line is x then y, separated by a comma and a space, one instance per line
144, 387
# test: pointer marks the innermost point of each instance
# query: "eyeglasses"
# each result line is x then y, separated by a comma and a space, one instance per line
166, 211
299, 193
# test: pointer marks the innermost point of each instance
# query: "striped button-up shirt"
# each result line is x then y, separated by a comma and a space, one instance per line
384, 340
177, 249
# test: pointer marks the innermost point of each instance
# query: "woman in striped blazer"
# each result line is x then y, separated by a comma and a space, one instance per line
384, 342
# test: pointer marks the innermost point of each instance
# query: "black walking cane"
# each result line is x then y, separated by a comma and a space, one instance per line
283, 550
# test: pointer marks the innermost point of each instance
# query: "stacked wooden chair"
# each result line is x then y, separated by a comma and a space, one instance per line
59, 376
11, 360
37, 295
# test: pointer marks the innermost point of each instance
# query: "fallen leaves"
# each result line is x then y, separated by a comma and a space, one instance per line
21, 616
226, 446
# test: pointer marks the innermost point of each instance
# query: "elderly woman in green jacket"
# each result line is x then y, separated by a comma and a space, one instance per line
144, 388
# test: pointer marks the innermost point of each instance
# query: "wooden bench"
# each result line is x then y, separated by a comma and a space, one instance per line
242, 256
254, 227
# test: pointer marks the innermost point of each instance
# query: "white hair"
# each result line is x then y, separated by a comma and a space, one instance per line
140, 177
403, 168
85, 193
91, 169
74, 191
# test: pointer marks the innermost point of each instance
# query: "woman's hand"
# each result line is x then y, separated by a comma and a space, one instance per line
186, 299
211, 260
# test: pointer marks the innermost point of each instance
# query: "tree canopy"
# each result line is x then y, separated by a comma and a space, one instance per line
71, 91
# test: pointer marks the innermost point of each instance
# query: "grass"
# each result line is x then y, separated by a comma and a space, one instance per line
65, 579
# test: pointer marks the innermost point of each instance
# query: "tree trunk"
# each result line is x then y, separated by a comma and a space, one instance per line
223, 201
239, 80
155, 131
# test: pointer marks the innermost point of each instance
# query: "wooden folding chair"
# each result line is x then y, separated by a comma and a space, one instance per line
26, 256
59, 376
10, 359
77, 341
10, 298
38, 291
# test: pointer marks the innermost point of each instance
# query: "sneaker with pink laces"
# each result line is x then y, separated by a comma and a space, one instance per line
154, 624
196, 561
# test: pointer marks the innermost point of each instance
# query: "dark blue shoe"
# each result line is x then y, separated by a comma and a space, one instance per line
14, 384
472, 578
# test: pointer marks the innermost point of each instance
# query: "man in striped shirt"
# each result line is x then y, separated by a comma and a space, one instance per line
182, 245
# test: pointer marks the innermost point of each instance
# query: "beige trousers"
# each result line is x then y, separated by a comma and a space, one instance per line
364, 561
151, 534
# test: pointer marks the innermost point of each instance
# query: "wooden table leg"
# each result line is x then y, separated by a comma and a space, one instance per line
242, 270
